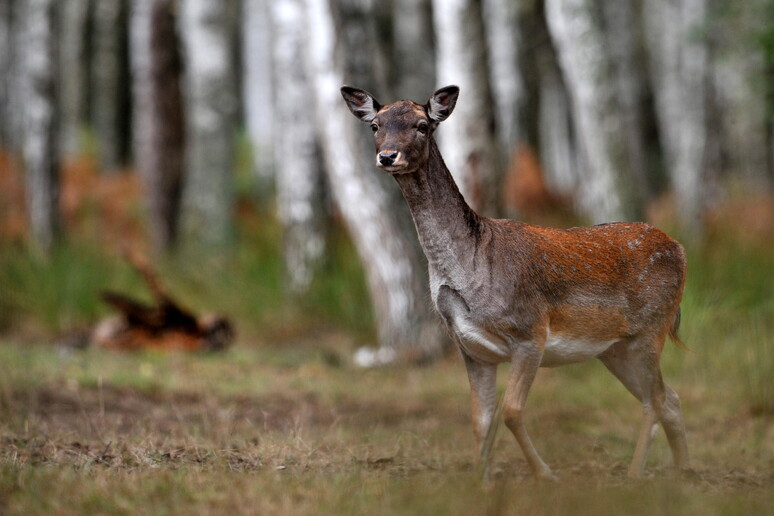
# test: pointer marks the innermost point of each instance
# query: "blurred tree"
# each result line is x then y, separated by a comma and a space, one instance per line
503, 38
299, 178
558, 147
207, 30
405, 325
7, 75
37, 55
680, 73
610, 189
159, 129
110, 80
413, 57
73, 72
740, 88
468, 141
257, 86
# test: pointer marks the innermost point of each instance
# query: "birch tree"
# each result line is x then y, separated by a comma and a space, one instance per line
468, 140
109, 82
299, 195
158, 122
40, 141
558, 148
607, 191
679, 65
404, 324
257, 85
7, 74
207, 30
503, 38
72, 82
740, 87
413, 73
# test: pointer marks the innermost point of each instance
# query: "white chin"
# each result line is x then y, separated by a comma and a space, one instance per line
394, 169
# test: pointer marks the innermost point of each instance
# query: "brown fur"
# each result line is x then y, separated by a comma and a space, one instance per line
529, 295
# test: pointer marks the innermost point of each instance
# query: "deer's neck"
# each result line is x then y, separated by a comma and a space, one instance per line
449, 230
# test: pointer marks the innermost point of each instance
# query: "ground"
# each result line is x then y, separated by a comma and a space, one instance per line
299, 430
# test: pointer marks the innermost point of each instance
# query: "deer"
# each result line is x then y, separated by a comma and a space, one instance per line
534, 296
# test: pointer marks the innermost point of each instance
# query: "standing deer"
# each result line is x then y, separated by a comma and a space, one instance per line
533, 296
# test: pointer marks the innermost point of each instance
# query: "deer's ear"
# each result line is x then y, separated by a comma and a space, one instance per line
442, 103
362, 104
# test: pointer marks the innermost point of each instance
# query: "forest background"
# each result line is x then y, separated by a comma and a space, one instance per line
211, 137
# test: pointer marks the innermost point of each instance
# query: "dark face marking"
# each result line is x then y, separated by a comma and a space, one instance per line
402, 133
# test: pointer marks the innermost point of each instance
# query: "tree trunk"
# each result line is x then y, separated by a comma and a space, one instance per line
159, 129
413, 74
738, 72
558, 149
607, 191
467, 142
109, 80
211, 99
299, 181
623, 37
257, 86
501, 19
40, 145
404, 324
7, 75
679, 65
73, 76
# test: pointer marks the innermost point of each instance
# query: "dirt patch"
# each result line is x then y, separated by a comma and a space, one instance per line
123, 412
121, 427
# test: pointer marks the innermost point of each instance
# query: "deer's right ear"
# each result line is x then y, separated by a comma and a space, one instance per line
362, 104
442, 103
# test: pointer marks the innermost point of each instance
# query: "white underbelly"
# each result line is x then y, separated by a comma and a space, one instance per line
562, 350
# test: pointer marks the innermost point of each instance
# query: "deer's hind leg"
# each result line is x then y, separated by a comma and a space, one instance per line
636, 365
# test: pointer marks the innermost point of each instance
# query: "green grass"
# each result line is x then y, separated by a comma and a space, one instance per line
283, 423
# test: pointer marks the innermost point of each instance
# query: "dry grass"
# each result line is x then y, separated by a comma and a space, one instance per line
264, 430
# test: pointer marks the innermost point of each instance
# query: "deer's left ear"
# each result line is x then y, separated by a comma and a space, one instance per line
442, 103
362, 104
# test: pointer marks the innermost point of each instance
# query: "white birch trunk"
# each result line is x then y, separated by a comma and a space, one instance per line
605, 192
158, 114
108, 81
72, 81
413, 59
257, 85
467, 142
501, 20
679, 65
739, 72
211, 99
558, 152
40, 143
298, 180
402, 323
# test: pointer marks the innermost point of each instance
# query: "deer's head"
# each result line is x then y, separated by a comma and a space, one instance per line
402, 130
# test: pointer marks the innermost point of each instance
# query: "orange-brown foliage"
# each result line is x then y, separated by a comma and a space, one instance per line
106, 205
525, 192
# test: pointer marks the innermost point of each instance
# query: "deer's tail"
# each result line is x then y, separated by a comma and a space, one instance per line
673, 331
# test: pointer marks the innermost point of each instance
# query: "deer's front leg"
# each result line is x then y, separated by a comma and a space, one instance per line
524, 365
483, 396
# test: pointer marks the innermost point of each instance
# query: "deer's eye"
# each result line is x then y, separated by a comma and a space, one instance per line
374, 127
422, 128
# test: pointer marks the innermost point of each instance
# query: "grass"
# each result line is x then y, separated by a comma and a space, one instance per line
283, 423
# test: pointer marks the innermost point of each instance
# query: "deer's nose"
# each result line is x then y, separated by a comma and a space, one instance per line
387, 158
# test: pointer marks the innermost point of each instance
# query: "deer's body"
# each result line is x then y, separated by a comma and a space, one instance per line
533, 296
